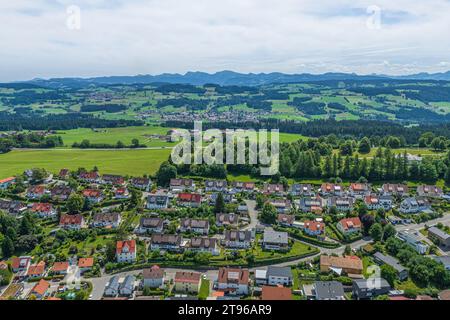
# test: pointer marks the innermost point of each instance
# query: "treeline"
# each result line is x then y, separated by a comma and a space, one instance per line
35, 121
109, 107
190, 104
28, 97
180, 88
347, 128
29, 140
86, 144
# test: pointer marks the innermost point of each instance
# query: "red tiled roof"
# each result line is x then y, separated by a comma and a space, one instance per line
41, 207
67, 219
276, 293
7, 179
131, 244
41, 287
189, 197
86, 262
350, 223
36, 269
314, 225
60, 266
92, 193
192, 277
233, 275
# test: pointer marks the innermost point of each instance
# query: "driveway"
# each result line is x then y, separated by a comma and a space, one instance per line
253, 214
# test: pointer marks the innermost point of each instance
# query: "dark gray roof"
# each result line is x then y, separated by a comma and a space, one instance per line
128, 283
439, 233
279, 271
371, 283
113, 283
327, 290
391, 261
272, 236
445, 260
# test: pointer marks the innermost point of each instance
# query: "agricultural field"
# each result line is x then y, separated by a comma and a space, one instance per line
112, 135
125, 162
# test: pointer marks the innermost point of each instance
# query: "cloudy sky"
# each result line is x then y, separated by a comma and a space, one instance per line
56, 38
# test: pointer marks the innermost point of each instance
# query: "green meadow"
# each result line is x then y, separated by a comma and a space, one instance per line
126, 162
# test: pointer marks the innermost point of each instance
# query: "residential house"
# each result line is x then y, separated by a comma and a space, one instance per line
126, 251
126, 288
260, 277
192, 200
275, 240
331, 189
71, 222
40, 289
439, 236
303, 190
233, 281
20, 264
44, 210
369, 288
110, 220
169, 242
273, 189
60, 268
13, 207
359, 190
91, 177
429, 191
351, 265
180, 185
445, 260
412, 238
276, 293
141, 183
313, 228
349, 225
328, 290
93, 195
204, 244
390, 189
64, 174
285, 220
312, 204
85, 264
112, 287
157, 201
375, 202
238, 187
153, 277
227, 198
279, 276
216, 185
5, 183
187, 282
381, 259
238, 239
150, 225
281, 205
36, 192
414, 205
342, 204
36, 270
194, 225
121, 193
112, 179
60, 192
227, 219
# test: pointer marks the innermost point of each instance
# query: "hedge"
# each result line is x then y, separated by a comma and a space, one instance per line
299, 236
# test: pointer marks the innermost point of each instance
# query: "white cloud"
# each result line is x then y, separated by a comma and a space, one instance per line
155, 36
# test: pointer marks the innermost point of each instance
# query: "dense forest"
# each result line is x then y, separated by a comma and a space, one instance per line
37, 121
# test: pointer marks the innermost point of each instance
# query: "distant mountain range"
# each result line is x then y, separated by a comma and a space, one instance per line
226, 78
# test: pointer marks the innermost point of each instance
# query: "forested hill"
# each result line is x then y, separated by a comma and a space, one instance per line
226, 78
